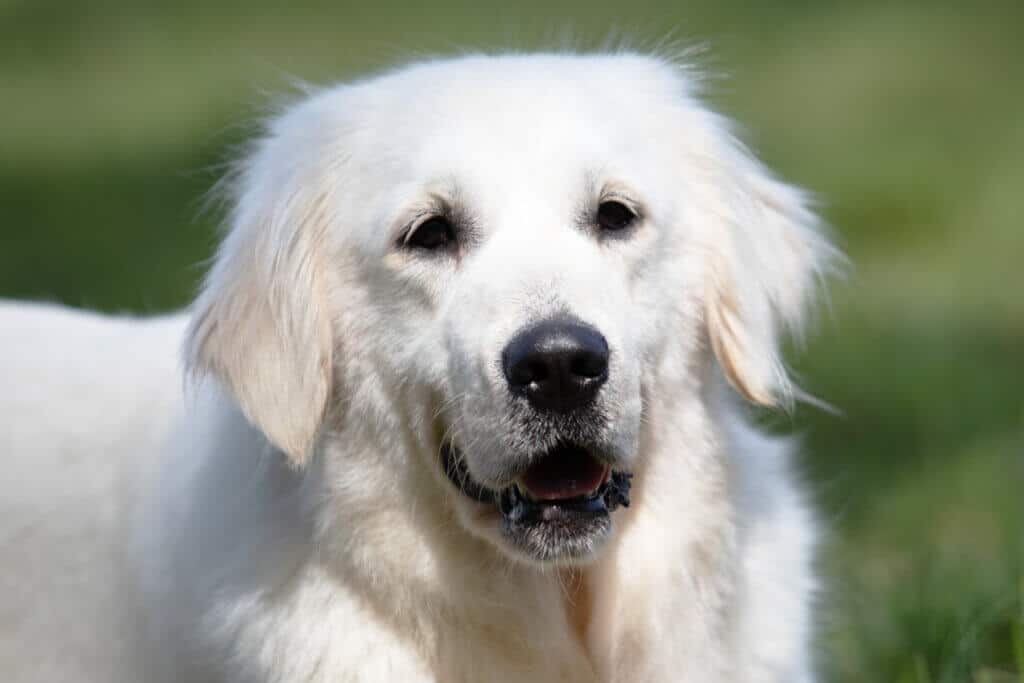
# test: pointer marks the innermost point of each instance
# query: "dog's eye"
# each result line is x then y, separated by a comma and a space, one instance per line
614, 216
432, 234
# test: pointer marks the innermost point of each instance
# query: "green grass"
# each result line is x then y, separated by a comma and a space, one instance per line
906, 118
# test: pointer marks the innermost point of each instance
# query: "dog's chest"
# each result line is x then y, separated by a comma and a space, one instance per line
544, 641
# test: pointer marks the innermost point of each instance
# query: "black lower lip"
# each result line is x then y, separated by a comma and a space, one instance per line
522, 510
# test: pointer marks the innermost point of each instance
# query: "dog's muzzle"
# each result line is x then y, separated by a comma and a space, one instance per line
560, 499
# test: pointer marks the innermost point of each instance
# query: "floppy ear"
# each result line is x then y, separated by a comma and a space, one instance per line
768, 254
260, 323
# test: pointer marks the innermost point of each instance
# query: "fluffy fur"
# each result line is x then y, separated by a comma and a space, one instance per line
283, 517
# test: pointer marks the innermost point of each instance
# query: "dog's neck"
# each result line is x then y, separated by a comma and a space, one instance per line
578, 601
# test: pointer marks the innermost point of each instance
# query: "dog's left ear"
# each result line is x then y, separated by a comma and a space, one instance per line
768, 254
260, 324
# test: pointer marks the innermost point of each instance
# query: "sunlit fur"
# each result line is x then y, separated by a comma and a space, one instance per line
277, 512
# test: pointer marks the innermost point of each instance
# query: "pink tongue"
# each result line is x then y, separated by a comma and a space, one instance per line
567, 472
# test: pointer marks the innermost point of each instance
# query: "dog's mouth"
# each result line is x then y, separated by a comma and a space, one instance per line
558, 507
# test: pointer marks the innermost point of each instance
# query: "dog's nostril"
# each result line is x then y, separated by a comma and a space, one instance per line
538, 371
525, 372
557, 364
589, 365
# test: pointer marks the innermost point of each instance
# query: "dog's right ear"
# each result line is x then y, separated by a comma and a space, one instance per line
260, 324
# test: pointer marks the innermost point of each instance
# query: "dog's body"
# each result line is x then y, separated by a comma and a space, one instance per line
296, 519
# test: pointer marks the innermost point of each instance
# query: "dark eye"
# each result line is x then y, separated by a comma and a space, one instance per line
614, 216
433, 233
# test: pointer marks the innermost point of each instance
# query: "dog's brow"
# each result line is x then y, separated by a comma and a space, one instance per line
442, 195
618, 190
425, 201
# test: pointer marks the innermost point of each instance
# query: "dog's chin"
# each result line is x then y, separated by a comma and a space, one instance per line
558, 510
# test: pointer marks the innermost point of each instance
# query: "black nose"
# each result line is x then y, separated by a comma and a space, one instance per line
557, 364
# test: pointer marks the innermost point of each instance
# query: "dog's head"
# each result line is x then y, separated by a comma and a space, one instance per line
493, 261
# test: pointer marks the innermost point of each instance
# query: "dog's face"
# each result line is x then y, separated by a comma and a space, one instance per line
507, 252
524, 253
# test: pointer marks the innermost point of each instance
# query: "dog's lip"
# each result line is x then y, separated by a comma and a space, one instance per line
458, 474
567, 478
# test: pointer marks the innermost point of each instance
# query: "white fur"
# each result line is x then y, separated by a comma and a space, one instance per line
285, 517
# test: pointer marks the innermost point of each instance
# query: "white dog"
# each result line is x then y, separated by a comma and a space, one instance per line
464, 406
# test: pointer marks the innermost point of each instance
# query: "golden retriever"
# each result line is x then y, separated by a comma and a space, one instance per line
465, 404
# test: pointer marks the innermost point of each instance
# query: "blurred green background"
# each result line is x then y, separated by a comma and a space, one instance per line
906, 118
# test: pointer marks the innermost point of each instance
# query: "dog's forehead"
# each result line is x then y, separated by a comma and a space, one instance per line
540, 121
